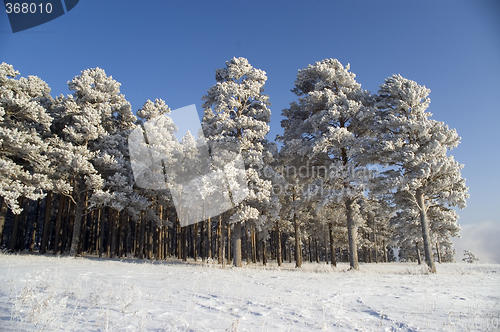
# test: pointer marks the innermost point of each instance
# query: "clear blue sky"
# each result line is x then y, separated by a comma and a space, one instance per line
170, 50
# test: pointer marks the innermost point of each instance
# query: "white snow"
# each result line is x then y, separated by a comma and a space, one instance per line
89, 294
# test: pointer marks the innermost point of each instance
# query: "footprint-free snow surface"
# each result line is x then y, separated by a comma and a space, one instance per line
39, 293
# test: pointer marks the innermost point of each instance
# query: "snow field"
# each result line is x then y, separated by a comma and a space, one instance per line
43, 293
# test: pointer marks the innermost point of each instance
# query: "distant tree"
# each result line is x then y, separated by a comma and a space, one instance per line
290, 194
270, 209
443, 226
376, 232
469, 257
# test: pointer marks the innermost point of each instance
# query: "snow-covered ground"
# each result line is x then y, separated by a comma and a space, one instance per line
90, 294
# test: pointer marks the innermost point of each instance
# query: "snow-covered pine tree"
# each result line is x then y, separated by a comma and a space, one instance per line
24, 162
469, 257
443, 226
408, 231
416, 147
291, 191
94, 110
328, 127
270, 210
377, 233
333, 217
237, 114
408, 234
155, 129
24, 119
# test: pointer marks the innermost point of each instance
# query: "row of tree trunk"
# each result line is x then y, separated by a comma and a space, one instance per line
47, 226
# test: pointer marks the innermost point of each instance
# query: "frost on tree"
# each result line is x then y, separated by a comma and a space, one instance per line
327, 127
270, 210
469, 257
90, 122
423, 175
24, 121
378, 233
201, 185
237, 115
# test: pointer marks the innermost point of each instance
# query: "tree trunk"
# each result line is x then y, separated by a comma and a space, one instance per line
23, 224
203, 245
101, 219
326, 246
67, 226
257, 249
332, 246
167, 236
309, 250
298, 248
77, 226
254, 246
219, 241
86, 221
92, 232
352, 235
209, 238
375, 245
160, 254
429, 257
237, 244
289, 252
222, 241
365, 254
195, 242
419, 259
60, 211
160, 233
264, 252
35, 226
316, 250
228, 226
248, 244
386, 258
111, 232
142, 234
121, 234
279, 257
124, 235
3, 213
150, 231
114, 219
15, 227
184, 243
438, 252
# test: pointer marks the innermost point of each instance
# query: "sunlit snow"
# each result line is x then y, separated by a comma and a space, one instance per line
88, 294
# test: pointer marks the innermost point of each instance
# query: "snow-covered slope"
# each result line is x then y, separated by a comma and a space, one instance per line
89, 294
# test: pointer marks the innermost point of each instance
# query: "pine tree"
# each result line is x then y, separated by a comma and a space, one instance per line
84, 119
376, 229
270, 209
328, 127
24, 120
237, 116
469, 257
416, 147
152, 145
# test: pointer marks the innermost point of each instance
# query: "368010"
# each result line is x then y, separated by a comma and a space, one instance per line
28, 8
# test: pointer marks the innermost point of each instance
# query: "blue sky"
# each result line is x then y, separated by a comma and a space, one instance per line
170, 50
